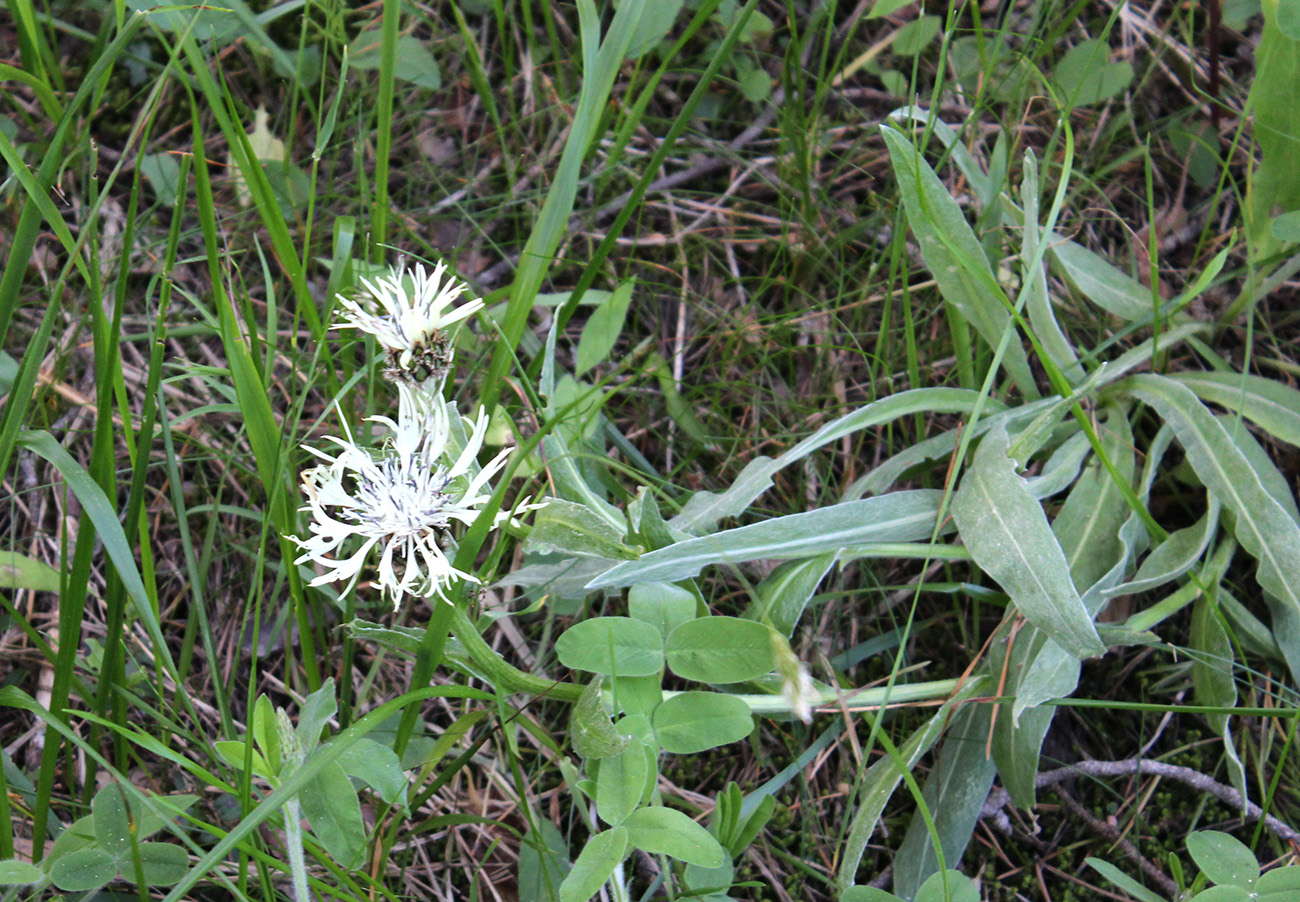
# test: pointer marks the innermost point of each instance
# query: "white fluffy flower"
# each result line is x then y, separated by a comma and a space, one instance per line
401, 499
411, 324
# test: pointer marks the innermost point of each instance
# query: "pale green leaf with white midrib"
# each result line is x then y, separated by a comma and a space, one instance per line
705, 509
953, 254
1007, 533
1262, 526
896, 517
1267, 403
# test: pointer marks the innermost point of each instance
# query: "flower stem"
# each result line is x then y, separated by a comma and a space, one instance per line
293, 842
508, 679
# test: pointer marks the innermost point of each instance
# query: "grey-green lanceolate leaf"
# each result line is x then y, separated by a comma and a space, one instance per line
1006, 531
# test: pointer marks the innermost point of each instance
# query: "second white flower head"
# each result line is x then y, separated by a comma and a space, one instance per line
412, 324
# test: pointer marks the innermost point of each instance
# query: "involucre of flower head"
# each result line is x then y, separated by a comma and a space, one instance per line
411, 323
400, 499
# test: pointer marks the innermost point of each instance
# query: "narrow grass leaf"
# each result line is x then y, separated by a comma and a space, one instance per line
953, 254
1123, 881
602, 61
1007, 532
1263, 526
897, 517
101, 513
703, 511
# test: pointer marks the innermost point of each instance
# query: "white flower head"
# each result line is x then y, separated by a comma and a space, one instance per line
402, 499
412, 324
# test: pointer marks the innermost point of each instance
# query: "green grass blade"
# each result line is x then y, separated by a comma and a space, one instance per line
602, 61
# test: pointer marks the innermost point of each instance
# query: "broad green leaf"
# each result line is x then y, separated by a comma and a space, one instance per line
694, 721
19, 873
662, 605
866, 894
1226, 893
379, 767
720, 650
591, 732
543, 863
785, 592
620, 784
603, 327
883, 777
331, 806
954, 793
1213, 680
414, 63
912, 38
315, 714
1036, 670
1267, 403
18, 571
163, 172
1100, 282
896, 517
1123, 881
163, 864
1007, 532
656, 21
618, 646
1279, 885
575, 529
266, 733
717, 879
948, 886
1223, 859
666, 831
112, 823
595, 863
1085, 75
83, 870
953, 254
147, 823
1263, 526
80, 835
1088, 524
703, 511
1277, 485
232, 752
1173, 557
885, 7
1275, 185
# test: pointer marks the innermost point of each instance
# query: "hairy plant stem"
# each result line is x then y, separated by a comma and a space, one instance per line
293, 843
